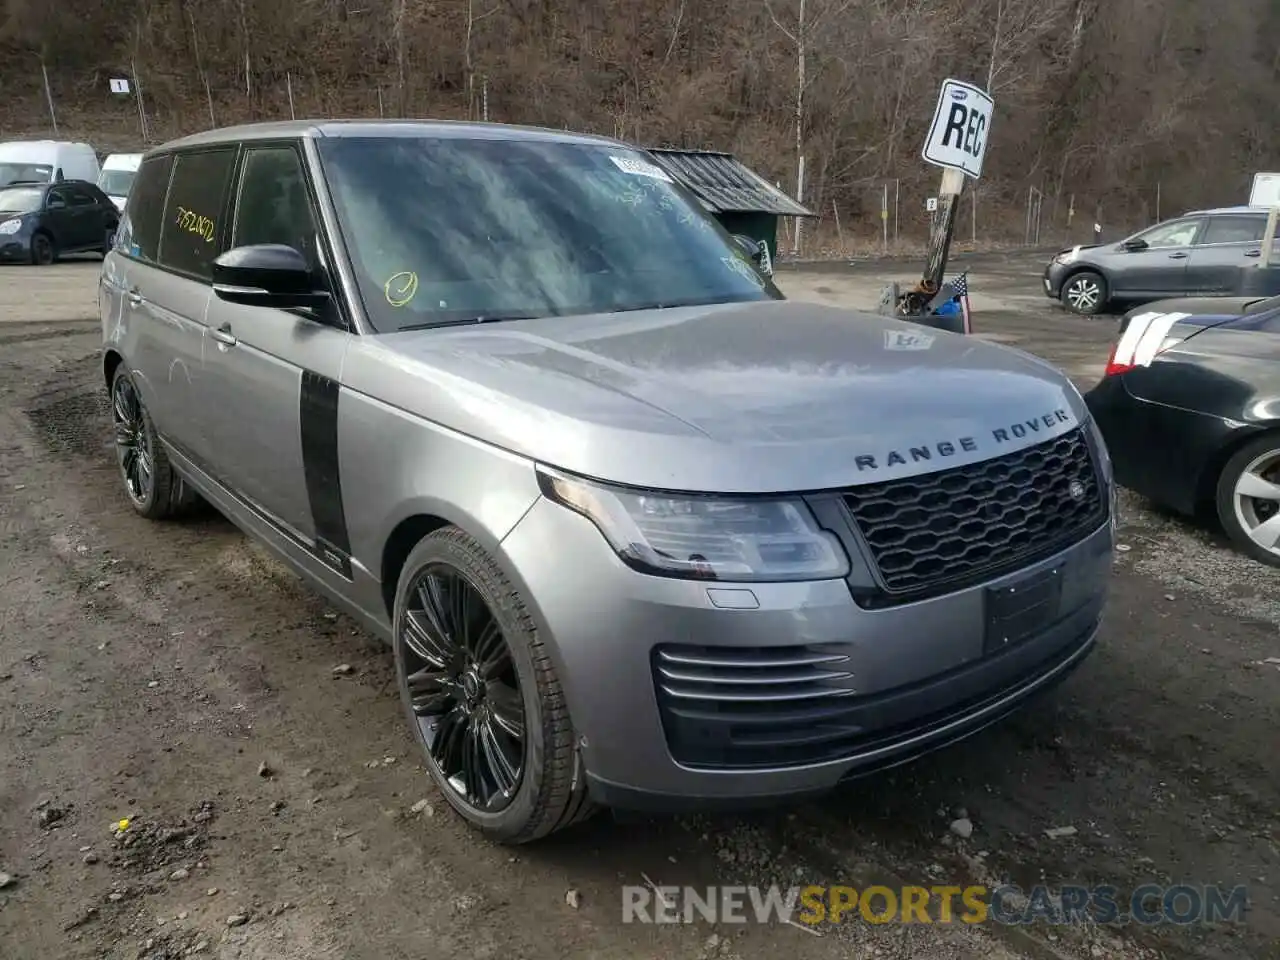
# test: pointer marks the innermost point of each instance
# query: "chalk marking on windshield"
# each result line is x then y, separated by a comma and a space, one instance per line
742, 267
400, 288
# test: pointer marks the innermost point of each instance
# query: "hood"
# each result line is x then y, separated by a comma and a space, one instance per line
760, 397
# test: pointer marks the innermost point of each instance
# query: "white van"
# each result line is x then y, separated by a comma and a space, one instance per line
118, 171
47, 161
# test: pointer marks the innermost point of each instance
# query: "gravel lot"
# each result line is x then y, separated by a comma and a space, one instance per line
149, 671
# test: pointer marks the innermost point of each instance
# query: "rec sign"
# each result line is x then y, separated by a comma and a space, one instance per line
961, 126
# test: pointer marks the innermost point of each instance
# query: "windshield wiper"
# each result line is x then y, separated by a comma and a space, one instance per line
466, 321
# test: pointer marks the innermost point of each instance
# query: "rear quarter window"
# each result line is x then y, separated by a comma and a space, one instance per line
139, 234
189, 236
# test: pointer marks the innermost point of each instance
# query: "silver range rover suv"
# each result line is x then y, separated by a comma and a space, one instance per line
641, 532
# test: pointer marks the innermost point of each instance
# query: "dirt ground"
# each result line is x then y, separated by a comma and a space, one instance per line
149, 671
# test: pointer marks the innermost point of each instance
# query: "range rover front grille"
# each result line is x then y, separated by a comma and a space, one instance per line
937, 532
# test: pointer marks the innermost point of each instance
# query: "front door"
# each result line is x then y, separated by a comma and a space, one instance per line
67, 220
86, 218
267, 370
1160, 268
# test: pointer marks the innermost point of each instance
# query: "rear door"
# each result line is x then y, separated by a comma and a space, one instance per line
1160, 269
269, 371
170, 286
1227, 243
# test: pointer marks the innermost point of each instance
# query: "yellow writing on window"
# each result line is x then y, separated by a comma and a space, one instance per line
192, 222
401, 287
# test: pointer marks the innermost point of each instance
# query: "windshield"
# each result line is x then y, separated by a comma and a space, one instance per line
20, 199
9, 172
116, 183
444, 230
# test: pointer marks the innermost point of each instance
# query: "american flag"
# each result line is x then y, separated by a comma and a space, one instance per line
961, 287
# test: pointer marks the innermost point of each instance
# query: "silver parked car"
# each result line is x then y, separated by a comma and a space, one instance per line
641, 532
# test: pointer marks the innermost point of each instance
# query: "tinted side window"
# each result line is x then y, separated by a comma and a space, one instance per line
274, 205
1235, 229
139, 235
57, 197
80, 197
189, 234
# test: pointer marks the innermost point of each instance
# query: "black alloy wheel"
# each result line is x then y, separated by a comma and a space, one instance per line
481, 691
42, 251
155, 489
135, 450
463, 689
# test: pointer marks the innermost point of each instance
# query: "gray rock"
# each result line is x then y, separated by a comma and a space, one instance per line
962, 828
6, 881
237, 920
180, 874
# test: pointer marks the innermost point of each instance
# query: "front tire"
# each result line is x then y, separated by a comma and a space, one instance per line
482, 696
1248, 499
155, 490
1085, 293
43, 252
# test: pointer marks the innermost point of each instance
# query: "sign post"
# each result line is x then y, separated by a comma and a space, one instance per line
957, 142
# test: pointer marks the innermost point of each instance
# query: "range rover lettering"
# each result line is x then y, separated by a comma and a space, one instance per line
641, 532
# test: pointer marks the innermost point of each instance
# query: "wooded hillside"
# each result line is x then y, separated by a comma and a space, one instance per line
1108, 101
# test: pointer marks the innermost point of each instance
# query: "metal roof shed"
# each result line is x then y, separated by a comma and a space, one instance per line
742, 200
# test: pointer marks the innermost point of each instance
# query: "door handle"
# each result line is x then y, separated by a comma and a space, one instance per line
1177, 256
1253, 253
135, 298
224, 335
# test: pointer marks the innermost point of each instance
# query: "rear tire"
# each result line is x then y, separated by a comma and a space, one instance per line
155, 490
460, 711
1085, 293
1248, 499
43, 252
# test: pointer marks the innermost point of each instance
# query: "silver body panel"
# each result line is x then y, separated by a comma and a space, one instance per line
448, 426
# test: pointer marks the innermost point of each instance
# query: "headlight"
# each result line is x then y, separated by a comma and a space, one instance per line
11, 226
704, 537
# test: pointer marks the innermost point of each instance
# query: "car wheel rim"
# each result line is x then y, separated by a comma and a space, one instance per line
44, 252
133, 441
1257, 501
463, 689
1084, 294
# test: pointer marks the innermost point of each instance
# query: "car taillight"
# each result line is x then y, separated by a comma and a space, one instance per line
1146, 336
1114, 367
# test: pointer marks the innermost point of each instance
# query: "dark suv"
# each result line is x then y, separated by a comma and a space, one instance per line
41, 221
1201, 253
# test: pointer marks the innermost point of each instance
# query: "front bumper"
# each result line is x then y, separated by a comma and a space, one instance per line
15, 248
1054, 275
918, 675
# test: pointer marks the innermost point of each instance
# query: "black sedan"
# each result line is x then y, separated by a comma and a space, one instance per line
1189, 407
1200, 253
41, 221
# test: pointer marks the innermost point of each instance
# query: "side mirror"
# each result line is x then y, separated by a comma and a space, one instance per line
266, 275
1134, 245
757, 250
